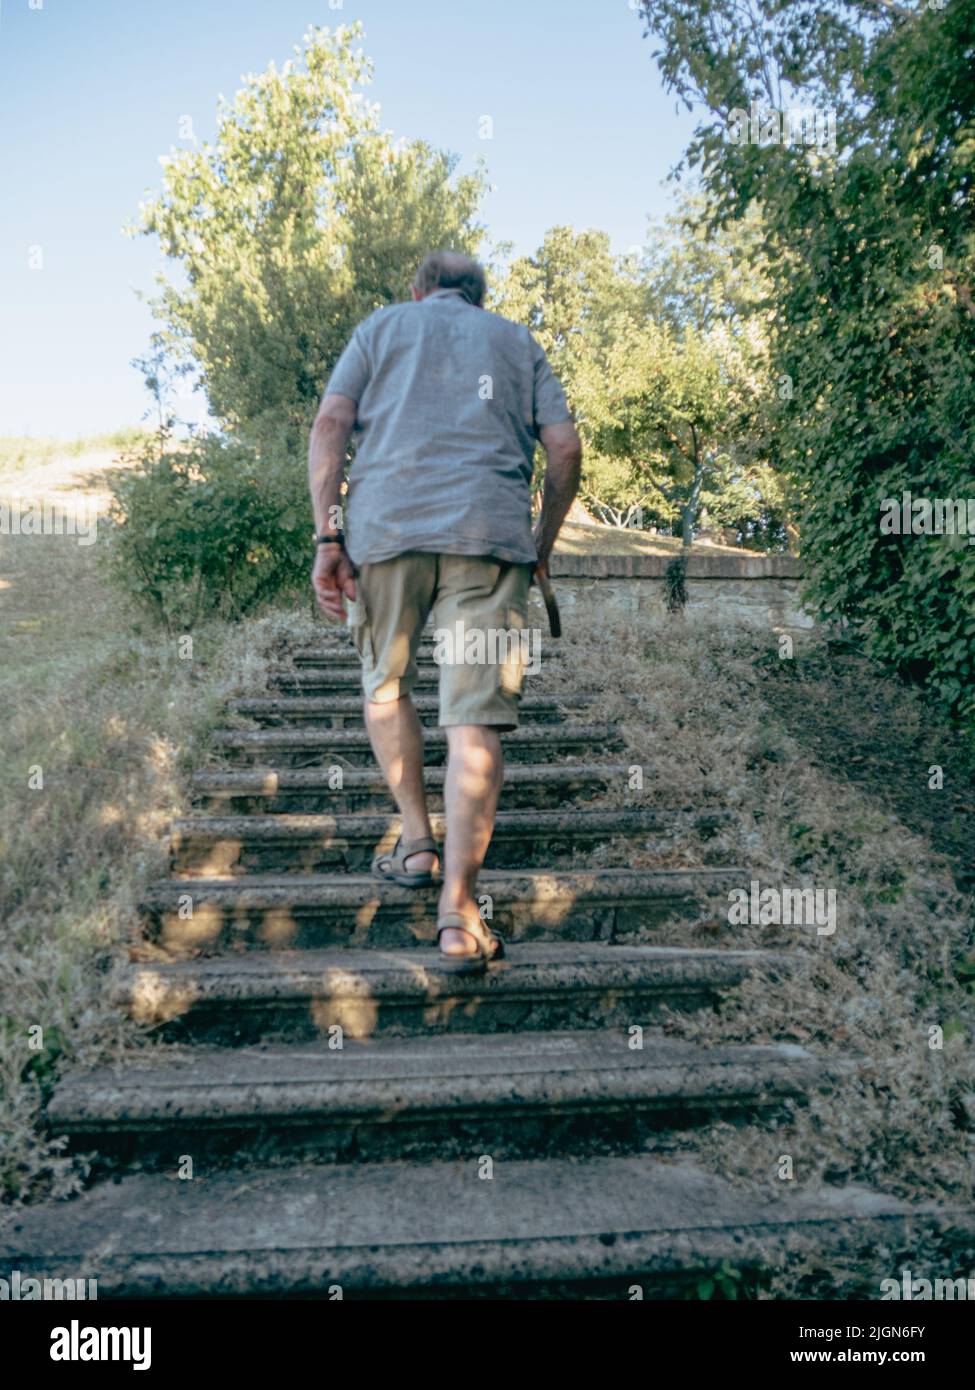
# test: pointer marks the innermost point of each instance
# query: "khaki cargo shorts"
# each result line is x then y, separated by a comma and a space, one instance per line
481, 641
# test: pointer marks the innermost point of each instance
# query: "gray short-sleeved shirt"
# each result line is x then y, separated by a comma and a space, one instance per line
450, 401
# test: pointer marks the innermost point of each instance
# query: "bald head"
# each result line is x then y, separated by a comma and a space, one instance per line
451, 270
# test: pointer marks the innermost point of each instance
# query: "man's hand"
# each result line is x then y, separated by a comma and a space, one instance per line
332, 577
541, 567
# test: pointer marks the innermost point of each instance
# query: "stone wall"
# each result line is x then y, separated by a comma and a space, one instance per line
758, 589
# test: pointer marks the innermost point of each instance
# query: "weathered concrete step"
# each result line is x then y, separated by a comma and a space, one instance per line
555, 1228
299, 912
334, 791
452, 1095
296, 747
204, 845
345, 711
341, 680
330, 655
254, 996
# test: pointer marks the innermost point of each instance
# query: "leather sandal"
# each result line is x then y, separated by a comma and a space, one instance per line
490, 945
391, 864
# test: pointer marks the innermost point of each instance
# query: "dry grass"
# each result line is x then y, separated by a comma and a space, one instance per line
709, 715
116, 718
589, 538
20, 456
115, 715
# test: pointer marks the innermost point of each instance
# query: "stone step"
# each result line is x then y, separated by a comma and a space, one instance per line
318, 790
345, 711
337, 680
298, 747
555, 1228
250, 997
446, 1096
328, 656
206, 845
331, 655
300, 912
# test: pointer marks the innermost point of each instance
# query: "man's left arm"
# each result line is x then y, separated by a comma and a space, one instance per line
556, 432
332, 574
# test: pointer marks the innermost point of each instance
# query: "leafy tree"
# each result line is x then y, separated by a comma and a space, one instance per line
685, 409
301, 217
871, 257
666, 369
577, 301
697, 276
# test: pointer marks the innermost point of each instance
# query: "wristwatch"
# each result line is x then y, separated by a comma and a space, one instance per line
336, 538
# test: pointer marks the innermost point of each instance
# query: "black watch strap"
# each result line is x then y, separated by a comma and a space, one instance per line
337, 538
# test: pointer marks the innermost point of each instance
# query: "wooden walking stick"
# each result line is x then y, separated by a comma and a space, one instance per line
541, 578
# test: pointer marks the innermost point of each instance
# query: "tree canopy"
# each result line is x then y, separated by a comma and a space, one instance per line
299, 218
664, 356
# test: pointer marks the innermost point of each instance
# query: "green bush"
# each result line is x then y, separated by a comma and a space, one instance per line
212, 528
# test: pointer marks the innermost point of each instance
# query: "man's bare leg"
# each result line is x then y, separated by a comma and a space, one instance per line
397, 741
474, 772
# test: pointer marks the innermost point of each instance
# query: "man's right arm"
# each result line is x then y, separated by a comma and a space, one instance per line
332, 574
563, 450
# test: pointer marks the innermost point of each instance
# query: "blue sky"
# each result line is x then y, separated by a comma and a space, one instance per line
92, 93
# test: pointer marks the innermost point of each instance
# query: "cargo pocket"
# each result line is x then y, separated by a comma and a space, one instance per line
515, 655
357, 621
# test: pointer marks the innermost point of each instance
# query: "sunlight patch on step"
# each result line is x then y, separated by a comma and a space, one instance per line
278, 927
551, 903
186, 933
363, 921
356, 1013
223, 856
155, 1000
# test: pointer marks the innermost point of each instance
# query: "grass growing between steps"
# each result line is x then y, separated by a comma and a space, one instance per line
825, 764
106, 718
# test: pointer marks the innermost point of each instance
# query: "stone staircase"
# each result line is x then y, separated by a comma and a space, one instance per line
354, 1116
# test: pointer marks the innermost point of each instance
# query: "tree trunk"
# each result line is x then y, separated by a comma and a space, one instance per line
690, 508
